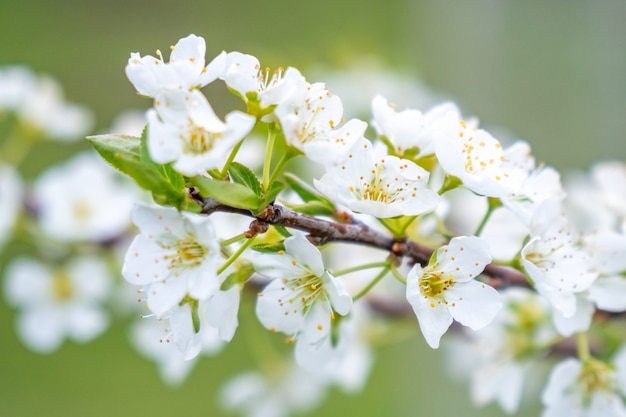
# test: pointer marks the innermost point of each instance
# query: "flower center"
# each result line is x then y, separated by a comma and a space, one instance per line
434, 283
62, 286
199, 140
307, 289
186, 253
266, 82
596, 375
82, 210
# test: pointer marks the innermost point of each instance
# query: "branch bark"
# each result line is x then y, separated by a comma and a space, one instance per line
323, 231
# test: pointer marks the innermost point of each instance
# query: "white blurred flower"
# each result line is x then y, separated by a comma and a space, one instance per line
302, 298
446, 289
48, 112
382, 186
185, 130
17, 84
588, 388
129, 122
83, 199
56, 303
10, 200
345, 361
150, 338
40, 106
287, 390
174, 256
184, 71
501, 359
367, 77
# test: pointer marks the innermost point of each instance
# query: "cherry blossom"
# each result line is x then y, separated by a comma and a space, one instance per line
383, 186
175, 255
58, 302
185, 130
184, 71
302, 298
446, 289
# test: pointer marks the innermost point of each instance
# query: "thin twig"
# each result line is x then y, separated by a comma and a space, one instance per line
322, 231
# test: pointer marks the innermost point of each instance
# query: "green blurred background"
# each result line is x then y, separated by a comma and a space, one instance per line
553, 73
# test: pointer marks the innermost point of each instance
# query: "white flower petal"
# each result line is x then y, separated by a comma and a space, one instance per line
473, 304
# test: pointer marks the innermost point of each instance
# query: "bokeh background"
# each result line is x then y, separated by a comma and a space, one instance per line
553, 73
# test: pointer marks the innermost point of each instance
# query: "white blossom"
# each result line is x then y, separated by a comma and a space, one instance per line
383, 186
244, 75
409, 129
184, 71
302, 298
314, 125
446, 289
475, 157
538, 184
175, 255
185, 130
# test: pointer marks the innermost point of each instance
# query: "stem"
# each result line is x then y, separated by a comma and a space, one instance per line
397, 275
361, 268
234, 239
582, 345
235, 255
323, 231
493, 205
231, 158
371, 284
271, 139
278, 168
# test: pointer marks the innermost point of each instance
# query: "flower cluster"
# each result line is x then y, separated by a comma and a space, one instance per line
330, 227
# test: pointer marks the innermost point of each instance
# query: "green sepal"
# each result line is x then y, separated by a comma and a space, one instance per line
450, 182
269, 247
282, 231
229, 193
129, 155
272, 192
241, 174
243, 272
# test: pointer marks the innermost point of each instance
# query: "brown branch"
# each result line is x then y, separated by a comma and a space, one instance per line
324, 231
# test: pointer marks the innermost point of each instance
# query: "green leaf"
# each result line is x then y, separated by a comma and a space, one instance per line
128, 155
241, 174
229, 193
115, 149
